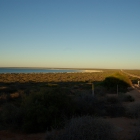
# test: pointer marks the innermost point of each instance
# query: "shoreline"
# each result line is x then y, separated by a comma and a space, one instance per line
93, 71
47, 70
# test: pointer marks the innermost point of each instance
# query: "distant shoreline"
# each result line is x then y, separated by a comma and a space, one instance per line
45, 70
93, 70
58, 68
49, 68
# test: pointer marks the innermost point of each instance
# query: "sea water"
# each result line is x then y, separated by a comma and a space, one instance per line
37, 70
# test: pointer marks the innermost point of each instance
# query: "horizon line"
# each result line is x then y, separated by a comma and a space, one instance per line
73, 68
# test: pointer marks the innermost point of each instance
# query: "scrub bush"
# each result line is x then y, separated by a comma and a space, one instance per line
119, 79
45, 110
11, 116
133, 110
86, 128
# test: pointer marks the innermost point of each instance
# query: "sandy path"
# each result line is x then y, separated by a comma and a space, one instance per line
127, 127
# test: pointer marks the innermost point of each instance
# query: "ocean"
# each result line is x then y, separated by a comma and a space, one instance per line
37, 70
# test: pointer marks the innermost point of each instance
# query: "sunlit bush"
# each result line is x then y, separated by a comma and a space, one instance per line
117, 80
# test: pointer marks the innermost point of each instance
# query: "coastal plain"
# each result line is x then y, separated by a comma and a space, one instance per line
57, 94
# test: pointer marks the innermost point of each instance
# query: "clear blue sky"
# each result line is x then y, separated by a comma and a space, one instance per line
70, 33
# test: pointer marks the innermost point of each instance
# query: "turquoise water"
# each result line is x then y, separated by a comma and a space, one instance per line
31, 70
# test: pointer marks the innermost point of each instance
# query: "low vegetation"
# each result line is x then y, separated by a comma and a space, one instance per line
45, 110
85, 128
64, 103
133, 111
117, 80
135, 72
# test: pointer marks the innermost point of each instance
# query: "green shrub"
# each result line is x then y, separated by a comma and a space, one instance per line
10, 116
119, 79
45, 110
86, 128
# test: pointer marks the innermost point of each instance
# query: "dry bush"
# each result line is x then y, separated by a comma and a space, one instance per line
10, 116
15, 95
85, 104
100, 90
126, 98
4, 98
85, 128
133, 110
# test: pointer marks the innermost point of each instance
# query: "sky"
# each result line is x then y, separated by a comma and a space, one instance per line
70, 33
